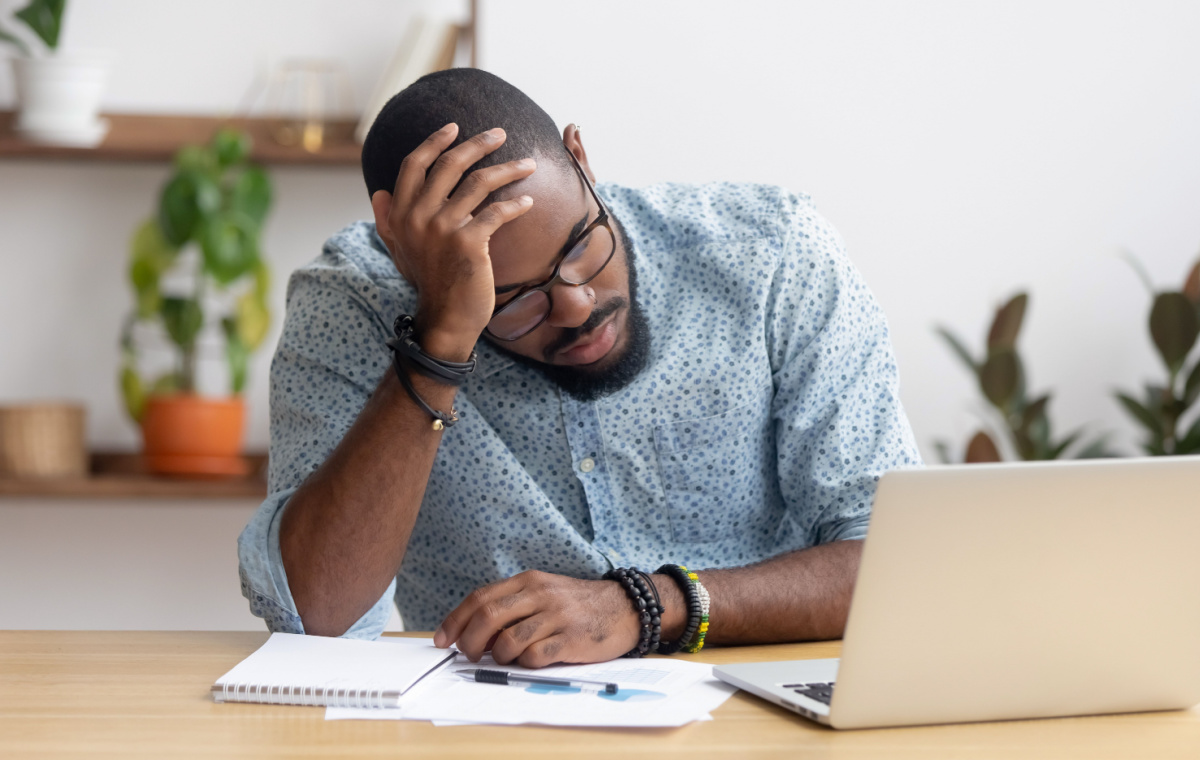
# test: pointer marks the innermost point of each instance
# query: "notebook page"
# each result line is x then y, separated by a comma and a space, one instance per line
297, 661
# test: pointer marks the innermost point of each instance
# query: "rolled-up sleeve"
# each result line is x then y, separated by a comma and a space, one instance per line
839, 423
319, 384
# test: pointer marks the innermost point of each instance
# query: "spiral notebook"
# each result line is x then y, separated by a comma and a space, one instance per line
291, 669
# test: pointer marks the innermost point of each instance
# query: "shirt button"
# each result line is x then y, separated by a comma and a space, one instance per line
588, 464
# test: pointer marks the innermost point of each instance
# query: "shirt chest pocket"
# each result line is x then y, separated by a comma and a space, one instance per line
718, 474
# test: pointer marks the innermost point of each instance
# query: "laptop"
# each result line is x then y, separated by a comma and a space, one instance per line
1007, 591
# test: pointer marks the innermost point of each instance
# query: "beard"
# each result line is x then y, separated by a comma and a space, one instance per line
583, 382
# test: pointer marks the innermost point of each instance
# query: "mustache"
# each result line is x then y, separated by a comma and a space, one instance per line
572, 334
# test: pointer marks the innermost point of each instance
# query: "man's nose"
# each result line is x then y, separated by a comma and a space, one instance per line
571, 305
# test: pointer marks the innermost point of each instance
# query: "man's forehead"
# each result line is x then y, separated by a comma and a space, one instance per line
522, 247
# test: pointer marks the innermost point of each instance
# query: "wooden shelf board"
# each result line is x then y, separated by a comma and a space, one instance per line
117, 475
156, 138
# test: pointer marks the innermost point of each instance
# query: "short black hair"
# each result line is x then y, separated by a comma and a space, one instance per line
475, 100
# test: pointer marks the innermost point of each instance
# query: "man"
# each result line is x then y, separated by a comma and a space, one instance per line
691, 375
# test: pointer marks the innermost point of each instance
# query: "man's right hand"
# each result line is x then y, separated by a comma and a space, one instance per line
439, 242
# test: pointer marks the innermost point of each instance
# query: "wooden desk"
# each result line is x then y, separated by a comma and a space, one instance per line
138, 694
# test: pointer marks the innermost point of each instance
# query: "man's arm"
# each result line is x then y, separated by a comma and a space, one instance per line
344, 532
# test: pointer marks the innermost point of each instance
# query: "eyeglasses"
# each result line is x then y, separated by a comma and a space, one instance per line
586, 257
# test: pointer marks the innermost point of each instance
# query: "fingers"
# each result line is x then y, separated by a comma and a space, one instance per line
479, 183
544, 653
512, 642
413, 168
456, 622
492, 618
489, 220
448, 169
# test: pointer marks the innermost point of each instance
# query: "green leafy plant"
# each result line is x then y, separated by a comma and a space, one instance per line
216, 202
1174, 327
44, 19
1001, 377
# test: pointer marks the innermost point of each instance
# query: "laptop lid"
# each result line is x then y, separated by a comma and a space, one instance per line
1004, 591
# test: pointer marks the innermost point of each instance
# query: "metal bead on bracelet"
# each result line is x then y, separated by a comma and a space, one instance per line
407, 354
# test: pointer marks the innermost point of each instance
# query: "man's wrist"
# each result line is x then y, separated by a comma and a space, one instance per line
443, 344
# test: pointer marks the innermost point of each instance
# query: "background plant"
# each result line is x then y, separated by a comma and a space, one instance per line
1001, 377
44, 19
1174, 326
214, 202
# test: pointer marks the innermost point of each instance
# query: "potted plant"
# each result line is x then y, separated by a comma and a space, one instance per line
1174, 324
58, 95
196, 263
1023, 423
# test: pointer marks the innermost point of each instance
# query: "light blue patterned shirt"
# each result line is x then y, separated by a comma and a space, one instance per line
766, 413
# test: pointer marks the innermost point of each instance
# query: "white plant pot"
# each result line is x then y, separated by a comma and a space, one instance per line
59, 99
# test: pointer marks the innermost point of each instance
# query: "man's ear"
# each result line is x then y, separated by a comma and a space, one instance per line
574, 143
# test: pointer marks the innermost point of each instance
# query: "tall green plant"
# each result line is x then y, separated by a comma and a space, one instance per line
1001, 377
215, 201
1174, 327
44, 19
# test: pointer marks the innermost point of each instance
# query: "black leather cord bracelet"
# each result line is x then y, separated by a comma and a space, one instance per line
440, 419
441, 370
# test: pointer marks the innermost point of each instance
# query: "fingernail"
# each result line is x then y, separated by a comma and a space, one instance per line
438, 637
495, 133
525, 200
449, 127
526, 163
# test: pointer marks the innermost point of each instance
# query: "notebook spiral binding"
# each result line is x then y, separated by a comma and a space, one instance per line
320, 696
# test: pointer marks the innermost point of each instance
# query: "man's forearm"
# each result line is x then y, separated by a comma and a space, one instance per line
802, 595
344, 532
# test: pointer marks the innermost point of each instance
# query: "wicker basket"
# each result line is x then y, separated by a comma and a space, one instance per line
43, 441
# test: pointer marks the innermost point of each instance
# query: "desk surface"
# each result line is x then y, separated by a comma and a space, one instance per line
145, 694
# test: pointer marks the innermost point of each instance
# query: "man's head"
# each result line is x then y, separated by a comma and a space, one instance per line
594, 339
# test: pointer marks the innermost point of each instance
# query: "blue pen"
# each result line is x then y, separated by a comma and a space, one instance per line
503, 677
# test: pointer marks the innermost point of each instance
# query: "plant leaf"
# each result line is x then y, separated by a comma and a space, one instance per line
15, 41
1057, 450
251, 194
1034, 411
999, 377
229, 244
1143, 415
186, 201
1007, 324
982, 449
237, 354
183, 319
1174, 327
1191, 285
253, 320
44, 17
150, 256
231, 146
943, 452
1138, 269
1097, 449
132, 393
1191, 388
959, 349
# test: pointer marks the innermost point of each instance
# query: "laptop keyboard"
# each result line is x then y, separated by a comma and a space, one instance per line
822, 692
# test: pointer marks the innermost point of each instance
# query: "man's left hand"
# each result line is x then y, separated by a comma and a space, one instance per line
537, 619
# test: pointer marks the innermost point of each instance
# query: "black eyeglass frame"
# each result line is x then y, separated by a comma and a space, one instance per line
602, 220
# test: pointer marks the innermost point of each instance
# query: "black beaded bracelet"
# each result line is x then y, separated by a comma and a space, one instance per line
647, 609
691, 600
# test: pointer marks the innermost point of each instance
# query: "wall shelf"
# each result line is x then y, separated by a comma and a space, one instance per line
120, 475
156, 138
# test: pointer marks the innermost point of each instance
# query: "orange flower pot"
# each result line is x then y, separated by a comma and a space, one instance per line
194, 436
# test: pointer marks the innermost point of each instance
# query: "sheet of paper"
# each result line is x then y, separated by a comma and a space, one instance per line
653, 693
